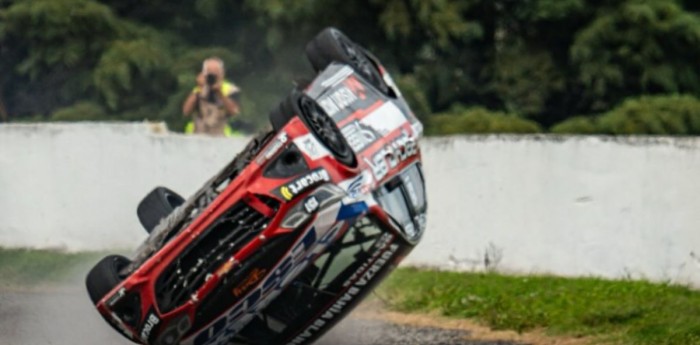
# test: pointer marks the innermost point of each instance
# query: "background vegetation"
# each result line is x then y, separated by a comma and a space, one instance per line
570, 66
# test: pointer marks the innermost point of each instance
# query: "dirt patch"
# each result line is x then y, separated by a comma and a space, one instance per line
374, 310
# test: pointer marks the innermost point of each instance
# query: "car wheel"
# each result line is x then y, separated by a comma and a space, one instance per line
105, 276
157, 205
282, 114
326, 130
332, 45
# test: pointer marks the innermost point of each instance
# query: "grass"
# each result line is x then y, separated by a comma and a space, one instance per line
29, 268
610, 311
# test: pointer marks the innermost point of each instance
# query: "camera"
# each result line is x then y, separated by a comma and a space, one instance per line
211, 79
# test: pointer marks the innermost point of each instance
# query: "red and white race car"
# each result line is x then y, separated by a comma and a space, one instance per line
294, 232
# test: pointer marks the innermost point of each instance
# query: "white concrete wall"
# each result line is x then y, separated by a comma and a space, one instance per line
565, 205
627, 207
76, 186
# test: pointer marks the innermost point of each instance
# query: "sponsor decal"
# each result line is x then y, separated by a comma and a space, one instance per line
253, 278
390, 156
356, 87
301, 184
112, 301
386, 119
338, 100
311, 147
359, 136
311, 204
344, 96
357, 186
349, 295
380, 246
152, 321
312, 243
273, 147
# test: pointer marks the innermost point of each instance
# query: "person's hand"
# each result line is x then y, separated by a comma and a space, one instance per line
201, 80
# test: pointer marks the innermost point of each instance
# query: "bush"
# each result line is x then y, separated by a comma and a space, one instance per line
577, 125
478, 120
81, 111
661, 115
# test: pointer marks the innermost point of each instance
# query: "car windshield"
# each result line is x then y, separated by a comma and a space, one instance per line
404, 199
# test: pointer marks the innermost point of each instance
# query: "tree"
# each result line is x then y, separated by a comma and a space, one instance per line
638, 47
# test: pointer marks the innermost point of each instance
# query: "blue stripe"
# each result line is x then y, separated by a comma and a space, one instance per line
352, 210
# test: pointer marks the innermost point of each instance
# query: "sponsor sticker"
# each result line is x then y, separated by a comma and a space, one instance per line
311, 204
359, 136
152, 321
391, 155
309, 246
301, 184
387, 118
273, 147
253, 278
311, 147
338, 100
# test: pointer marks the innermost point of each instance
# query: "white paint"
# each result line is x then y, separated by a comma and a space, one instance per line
76, 186
565, 205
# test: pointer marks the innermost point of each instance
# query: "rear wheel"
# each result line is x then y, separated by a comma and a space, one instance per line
158, 204
332, 45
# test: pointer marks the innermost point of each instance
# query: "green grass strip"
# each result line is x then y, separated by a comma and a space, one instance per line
28, 268
615, 311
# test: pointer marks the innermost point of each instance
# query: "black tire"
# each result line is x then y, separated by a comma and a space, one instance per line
105, 276
283, 113
326, 130
157, 205
332, 45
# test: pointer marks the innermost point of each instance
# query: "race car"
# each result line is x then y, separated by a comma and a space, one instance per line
294, 232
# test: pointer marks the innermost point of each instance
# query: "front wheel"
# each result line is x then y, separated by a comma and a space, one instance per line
105, 276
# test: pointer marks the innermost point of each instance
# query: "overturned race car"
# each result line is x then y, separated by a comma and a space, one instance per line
294, 232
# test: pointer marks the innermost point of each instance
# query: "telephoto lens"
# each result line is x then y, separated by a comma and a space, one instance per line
211, 79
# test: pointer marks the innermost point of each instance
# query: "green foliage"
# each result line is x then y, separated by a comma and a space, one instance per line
526, 80
577, 125
81, 111
130, 72
660, 115
478, 120
57, 32
541, 59
626, 312
641, 46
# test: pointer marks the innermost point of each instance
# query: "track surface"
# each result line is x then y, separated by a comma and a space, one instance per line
66, 316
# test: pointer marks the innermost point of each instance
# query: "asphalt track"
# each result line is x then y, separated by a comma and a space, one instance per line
65, 316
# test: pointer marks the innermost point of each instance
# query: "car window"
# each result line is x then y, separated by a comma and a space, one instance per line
404, 199
415, 188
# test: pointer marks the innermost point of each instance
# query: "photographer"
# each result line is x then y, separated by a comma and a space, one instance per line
214, 100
